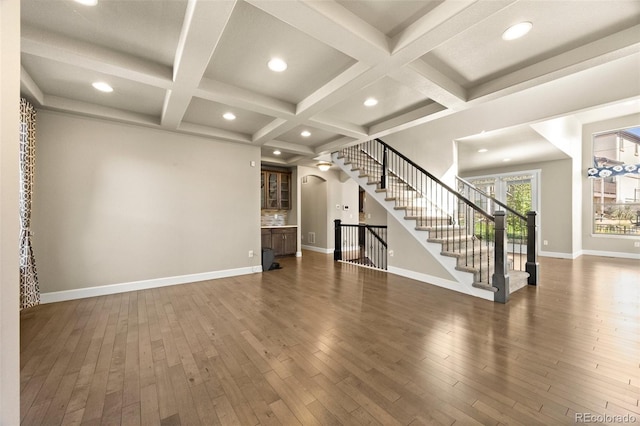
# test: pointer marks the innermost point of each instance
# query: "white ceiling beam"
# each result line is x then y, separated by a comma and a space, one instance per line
30, 89
216, 91
425, 79
330, 124
86, 109
329, 147
204, 23
220, 134
272, 130
407, 120
441, 25
289, 147
331, 24
89, 56
607, 49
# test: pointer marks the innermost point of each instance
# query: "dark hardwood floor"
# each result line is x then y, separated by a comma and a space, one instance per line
319, 342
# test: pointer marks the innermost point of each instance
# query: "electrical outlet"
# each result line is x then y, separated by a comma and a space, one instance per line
390, 253
250, 253
545, 243
636, 244
253, 164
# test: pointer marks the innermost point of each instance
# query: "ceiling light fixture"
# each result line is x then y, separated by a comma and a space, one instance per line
102, 86
277, 65
507, 159
516, 31
483, 150
324, 166
229, 116
276, 152
371, 102
87, 2
305, 134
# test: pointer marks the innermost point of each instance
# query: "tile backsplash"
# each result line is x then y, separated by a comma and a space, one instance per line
273, 217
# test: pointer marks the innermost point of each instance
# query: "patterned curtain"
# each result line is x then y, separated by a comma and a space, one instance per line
29, 289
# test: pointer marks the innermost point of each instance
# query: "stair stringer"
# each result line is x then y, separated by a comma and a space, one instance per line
463, 280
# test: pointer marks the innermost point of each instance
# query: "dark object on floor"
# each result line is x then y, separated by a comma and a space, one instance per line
275, 265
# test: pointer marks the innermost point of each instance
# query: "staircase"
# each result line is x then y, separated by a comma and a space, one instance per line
487, 247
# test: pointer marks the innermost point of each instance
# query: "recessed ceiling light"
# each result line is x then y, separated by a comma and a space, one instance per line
87, 2
371, 102
483, 150
277, 65
305, 134
276, 152
517, 30
102, 86
507, 159
229, 116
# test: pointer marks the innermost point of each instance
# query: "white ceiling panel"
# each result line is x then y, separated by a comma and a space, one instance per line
393, 99
210, 114
518, 145
147, 29
479, 54
390, 17
317, 136
58, 79
253, 37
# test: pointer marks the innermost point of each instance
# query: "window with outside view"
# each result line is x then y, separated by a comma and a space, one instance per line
616, 185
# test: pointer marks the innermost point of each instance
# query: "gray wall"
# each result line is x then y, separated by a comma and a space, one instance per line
115, 203
410, 255
9, 230
375, 213
555, 214
314, 211
601, 243
340, 191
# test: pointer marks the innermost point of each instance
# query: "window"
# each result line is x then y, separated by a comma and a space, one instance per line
616, 182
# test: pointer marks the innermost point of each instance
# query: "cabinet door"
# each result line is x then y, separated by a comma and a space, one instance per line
285, 191
266, 238
277, 242
273, 201
263, 190
290, 241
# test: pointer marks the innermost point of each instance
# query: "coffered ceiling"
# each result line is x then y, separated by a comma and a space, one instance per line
180, 65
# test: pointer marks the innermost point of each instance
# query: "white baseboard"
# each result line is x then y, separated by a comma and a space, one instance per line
612, 254
441, 282
81, 293
317, 249
559, 255
298, 254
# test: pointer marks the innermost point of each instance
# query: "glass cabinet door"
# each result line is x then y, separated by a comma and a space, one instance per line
272, 190
285, 189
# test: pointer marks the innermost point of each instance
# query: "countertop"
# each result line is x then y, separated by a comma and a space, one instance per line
279, 226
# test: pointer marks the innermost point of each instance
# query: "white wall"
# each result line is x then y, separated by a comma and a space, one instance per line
115, 203
9, 184
602, 244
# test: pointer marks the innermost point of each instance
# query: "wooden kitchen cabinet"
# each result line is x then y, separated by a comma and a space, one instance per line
275, 190
283, 241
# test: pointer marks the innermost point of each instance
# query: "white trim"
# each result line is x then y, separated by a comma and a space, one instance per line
80, 293
559, 255
299, 254
317, 249
611, 254
441, 282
